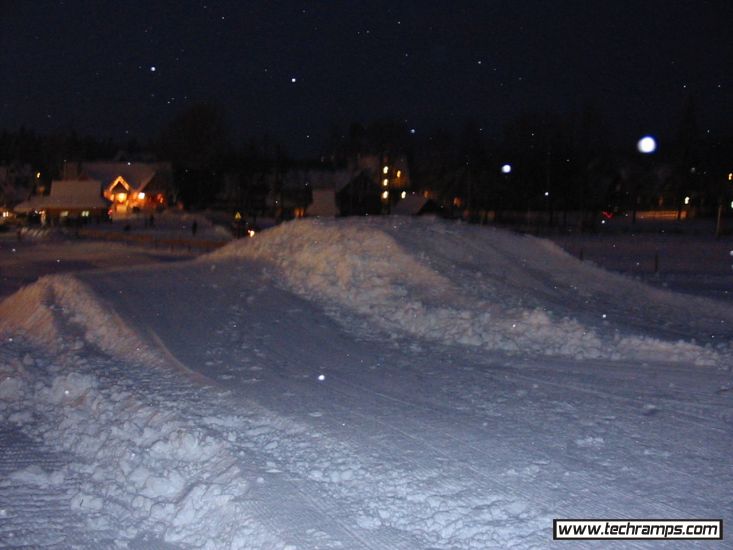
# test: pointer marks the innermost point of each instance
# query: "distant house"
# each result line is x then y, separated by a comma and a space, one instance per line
68, 199
376, 185
389, 172
306, 192
357, 189
361, 196
367, 184
132, 186
324, 185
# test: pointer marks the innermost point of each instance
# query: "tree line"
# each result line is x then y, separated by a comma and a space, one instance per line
556, 163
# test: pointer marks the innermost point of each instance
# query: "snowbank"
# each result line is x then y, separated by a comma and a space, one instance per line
472, 285
139, 466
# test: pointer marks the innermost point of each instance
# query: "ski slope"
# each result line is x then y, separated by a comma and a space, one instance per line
362, 383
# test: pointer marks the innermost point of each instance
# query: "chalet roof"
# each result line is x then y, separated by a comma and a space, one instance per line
67, 194
137, 174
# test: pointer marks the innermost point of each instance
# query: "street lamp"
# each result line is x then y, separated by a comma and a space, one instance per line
647, 145
506, 169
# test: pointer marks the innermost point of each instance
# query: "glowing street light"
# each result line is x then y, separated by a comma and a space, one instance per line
506, 169
647, 145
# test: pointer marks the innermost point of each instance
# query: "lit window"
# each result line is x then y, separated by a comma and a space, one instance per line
385, 195
141, 196
399, 173
385, 182
385, 169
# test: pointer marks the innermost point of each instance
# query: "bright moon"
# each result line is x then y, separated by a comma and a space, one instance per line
647, 145
506, 169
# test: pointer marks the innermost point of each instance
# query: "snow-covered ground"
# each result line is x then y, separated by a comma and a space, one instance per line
43, 252
361, 383
685, 262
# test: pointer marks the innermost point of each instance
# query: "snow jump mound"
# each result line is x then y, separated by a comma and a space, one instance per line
479, 286
60, 312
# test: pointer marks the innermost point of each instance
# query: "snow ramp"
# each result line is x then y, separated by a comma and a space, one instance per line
485, 287
61, 312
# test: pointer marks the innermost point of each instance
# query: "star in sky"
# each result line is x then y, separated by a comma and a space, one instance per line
437, 65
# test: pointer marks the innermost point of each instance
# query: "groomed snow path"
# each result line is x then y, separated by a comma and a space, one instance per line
315, 424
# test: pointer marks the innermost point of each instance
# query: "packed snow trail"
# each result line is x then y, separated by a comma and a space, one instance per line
322, 427
495, 425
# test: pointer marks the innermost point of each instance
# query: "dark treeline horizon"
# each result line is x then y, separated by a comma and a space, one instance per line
559, 160
590, 117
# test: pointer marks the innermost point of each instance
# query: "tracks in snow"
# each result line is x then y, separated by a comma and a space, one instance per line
395, 435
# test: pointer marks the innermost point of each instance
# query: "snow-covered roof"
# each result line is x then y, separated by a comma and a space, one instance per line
71, 194
409, 206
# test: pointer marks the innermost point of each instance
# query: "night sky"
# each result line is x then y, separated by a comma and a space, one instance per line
295, 70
